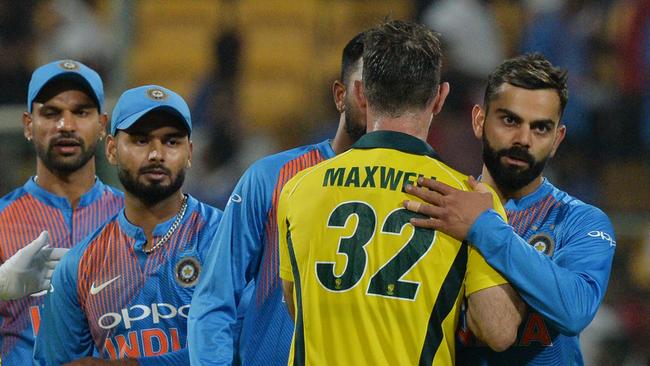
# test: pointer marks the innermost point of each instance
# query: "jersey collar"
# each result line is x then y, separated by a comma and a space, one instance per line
530, 199
395, 140
52, 199
137, 233
325, 148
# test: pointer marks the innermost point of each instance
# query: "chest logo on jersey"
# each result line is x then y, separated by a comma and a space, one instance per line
543, 243
187, 271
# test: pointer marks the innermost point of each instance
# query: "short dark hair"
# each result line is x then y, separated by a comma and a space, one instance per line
351, 55
402, 63
529, 71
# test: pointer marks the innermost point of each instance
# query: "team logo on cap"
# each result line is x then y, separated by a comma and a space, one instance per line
187, 271
543, 243
69, 65
157, 94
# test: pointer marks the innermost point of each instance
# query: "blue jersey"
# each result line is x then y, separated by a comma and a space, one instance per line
557, 254
241, 278
112, 300
24, 213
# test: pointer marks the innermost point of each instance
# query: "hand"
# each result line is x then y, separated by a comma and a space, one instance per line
450, 210
91, 361
30, 269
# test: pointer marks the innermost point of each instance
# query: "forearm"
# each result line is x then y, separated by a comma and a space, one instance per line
567, 298
494, 314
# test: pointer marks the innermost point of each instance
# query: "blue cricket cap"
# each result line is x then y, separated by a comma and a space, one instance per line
135, 103
66, 69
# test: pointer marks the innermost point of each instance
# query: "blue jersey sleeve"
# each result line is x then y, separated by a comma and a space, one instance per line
64, 335
230, 266
566, 289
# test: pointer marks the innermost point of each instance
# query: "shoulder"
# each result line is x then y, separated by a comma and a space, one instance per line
210, 214
449, 175
272, 164
11, 197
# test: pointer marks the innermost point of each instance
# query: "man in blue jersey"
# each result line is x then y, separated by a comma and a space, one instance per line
557, 251
65, 120
123, 294
241, 277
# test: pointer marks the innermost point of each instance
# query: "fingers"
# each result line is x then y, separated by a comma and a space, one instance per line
425, 194
477, 186
435, 185
429, 223
58, 253
424, 209
39, 243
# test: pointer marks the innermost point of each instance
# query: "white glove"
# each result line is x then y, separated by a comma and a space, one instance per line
30, 269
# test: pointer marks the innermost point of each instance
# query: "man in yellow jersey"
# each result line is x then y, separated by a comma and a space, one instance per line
368, 287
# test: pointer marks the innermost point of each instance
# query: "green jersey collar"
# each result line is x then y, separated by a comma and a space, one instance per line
395, 140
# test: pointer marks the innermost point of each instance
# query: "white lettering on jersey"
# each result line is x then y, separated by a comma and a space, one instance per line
140, 312
603, 235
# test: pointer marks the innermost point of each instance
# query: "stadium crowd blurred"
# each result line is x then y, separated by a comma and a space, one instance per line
604, 44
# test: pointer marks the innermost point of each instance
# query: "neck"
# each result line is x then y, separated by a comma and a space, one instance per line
505, 195
147, 216
413, 123
342, 141
69, 185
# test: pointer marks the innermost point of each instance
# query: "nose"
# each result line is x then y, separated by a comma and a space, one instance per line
67, 122
523, 135
155, 151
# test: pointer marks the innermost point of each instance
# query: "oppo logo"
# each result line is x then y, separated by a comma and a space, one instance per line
141, 312
603, 235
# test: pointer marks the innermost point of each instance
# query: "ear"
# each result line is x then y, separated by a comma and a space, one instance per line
338, 92
439, 101
359, 95
559, 137
111, 149
27, 126
478, 121
103, 122
189, 158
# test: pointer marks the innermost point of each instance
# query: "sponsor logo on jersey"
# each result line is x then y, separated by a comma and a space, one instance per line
602, 235
139, 312
543, 243
95, 290
235, 198
187, 271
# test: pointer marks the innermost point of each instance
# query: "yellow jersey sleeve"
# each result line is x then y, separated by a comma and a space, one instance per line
479, 274
284, 203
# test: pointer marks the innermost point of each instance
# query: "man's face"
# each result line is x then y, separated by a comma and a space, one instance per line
521, 131
355, 118
151, 156
65, 129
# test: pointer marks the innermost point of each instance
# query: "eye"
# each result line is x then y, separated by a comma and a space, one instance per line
83, 113
542, 128
509, 120
172, 141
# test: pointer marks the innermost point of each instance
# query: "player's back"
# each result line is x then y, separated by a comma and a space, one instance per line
370, 289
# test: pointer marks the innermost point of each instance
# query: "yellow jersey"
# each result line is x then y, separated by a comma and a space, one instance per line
369, 288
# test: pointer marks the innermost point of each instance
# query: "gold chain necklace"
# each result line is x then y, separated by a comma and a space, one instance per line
170, 232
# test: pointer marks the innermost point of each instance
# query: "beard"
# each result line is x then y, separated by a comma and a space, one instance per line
511, 178
354, 119
151, 193
63, 164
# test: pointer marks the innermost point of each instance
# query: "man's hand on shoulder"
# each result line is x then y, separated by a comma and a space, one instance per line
449, 210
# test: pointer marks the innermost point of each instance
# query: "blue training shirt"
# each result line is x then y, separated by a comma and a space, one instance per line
557, 253
242, 275
112, 300
24, 213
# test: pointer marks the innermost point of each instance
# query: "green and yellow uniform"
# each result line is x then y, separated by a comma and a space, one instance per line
370, 289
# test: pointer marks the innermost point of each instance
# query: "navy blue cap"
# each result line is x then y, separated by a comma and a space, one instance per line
64, 69
135, 103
